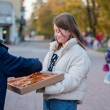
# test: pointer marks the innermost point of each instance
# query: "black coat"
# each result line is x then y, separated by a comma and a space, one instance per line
12, 66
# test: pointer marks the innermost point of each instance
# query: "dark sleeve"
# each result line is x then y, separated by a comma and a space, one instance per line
18, 66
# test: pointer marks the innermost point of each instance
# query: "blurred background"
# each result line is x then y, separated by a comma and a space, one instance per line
24, 19
26, 27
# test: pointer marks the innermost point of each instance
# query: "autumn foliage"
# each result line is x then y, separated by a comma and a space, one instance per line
99, 12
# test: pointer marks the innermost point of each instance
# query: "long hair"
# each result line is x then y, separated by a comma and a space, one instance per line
67, 22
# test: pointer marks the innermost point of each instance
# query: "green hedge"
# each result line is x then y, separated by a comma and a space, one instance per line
102, 50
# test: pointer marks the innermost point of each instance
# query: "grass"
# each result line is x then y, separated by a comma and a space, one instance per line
102, 50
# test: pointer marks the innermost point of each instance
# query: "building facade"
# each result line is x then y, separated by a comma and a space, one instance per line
16, 6
10, 19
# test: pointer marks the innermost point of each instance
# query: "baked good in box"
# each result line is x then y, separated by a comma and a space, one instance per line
28, 80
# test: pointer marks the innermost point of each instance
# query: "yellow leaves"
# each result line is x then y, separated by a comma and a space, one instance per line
103, 15
44, 21
52, 8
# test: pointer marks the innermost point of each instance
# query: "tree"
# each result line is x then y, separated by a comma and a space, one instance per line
104, 16
45, 17
92, 13
58, 6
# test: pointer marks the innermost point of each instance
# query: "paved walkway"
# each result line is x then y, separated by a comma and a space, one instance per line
97, 96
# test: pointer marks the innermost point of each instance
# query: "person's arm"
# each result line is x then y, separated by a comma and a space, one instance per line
18, 66
76, 74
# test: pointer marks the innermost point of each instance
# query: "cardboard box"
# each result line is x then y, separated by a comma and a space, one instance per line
37, 85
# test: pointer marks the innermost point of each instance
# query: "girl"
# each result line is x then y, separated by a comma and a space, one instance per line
67, 55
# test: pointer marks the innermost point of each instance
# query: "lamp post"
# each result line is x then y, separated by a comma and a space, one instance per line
22, 20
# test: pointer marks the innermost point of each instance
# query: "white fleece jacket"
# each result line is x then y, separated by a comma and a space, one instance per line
74, 63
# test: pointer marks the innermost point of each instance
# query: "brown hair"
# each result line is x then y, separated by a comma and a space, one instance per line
67, 22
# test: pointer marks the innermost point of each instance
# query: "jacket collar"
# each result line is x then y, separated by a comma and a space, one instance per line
68, 44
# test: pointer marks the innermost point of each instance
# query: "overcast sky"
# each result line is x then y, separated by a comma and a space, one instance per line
28, 8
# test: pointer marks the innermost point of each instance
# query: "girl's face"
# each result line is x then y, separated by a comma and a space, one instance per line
61, 35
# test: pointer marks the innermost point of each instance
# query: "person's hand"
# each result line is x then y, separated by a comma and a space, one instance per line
40, 90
